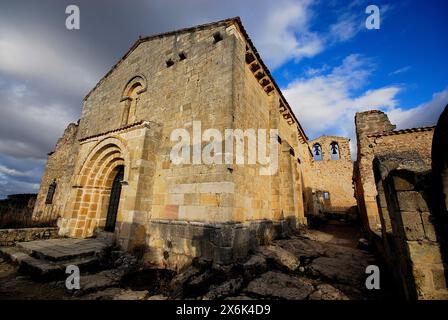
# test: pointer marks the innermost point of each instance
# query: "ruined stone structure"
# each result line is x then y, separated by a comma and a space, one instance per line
376, 136
112, 171
396, 190
331, 178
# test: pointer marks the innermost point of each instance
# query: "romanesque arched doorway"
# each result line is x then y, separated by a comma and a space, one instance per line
114, 200
97, 196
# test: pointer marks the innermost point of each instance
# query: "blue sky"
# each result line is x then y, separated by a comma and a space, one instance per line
409, 49
327, 63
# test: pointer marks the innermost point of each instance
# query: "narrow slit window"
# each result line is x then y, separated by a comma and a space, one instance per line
50, 193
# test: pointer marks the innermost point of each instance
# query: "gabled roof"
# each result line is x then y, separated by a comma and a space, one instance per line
226, 22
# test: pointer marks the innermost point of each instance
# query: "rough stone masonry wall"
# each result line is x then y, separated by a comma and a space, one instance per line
413, 247
375, 136
333, 176
60, 168
261, 197
9, 237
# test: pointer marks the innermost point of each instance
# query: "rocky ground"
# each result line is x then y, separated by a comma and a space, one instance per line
320, 264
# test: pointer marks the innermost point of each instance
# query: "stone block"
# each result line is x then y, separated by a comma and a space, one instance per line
216, 187
209, 199
403, 183
413, 226
222, 255
171, 211
428, 226
411, 201
191, 198
424, 252
438, 278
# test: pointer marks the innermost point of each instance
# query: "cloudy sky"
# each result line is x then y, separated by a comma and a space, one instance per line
327, 63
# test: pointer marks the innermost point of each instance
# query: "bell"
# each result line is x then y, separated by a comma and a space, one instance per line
334, 148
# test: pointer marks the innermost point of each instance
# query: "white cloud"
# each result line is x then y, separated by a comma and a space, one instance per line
12, 172
36, 58
29, 125
327, 103
345, 28
401, 70
425, 114
285, 33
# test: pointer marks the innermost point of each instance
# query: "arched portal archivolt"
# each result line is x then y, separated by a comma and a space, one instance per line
94, 183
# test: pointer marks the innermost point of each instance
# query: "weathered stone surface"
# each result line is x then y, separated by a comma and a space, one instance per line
157, 297
281, 286
413, 225
223, 290
177, 284
337, 270
9, 237
376, 136
302, 248
104, 294
428, 226
327, 292
241, 297
131, 295
411, 201
256, 264
282, 257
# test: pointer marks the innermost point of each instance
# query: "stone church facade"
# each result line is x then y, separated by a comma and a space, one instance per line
112, 170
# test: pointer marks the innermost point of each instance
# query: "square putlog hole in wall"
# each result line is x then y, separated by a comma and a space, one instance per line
182, 56
217, 37
169, 63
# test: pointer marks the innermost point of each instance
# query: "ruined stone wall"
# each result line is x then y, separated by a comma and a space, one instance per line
333, 175
9, 237
376, 135
412, 246
60, 168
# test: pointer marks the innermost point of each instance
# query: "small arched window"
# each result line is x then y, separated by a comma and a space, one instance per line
317, 152
334, 151
50, 193
130, 98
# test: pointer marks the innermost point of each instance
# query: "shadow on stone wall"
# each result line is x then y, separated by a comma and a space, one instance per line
177, 244
439, 193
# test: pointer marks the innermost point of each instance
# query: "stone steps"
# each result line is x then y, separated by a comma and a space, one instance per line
50, 258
